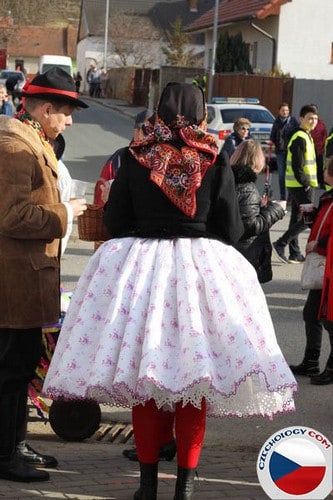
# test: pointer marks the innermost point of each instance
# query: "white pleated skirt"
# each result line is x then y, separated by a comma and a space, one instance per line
171, 320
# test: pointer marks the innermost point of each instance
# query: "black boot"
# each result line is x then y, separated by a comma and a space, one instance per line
325, 378
309, 365
184, 484
148, 482
23, 450
167, 452
11, 467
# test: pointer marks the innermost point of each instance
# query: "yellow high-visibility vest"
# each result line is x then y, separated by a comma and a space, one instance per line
310, 165
328, 139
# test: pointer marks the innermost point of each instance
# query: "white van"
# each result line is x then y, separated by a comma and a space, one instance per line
50, 61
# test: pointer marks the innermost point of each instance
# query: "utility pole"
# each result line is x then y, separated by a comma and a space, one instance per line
212, 62
106, 31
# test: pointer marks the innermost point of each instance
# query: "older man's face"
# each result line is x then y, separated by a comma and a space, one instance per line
55, 121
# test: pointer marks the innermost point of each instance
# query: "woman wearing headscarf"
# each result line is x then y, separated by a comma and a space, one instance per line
168, 316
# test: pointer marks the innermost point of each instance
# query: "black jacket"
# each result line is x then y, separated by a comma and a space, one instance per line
137, 207
255, 243
232, 141
281, 132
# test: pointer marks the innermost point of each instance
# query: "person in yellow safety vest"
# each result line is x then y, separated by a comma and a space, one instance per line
200, 81
328, 152
329, 145
301, 178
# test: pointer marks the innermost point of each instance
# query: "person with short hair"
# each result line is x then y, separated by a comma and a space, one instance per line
94, 81
282, 129
301, 179
32, 222
241, 133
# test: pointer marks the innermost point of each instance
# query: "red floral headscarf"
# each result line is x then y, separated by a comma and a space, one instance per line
176, 147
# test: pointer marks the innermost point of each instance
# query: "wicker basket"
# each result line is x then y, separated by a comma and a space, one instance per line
90, 224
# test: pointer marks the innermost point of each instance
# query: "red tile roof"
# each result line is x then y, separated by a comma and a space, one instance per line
33, 41
238, 10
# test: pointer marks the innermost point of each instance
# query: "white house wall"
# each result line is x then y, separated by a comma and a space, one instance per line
264, 56
305, 39
254, 38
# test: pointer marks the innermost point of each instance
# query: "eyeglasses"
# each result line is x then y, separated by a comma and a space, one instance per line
245, 128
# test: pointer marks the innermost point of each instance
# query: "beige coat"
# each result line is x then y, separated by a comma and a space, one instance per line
32, 222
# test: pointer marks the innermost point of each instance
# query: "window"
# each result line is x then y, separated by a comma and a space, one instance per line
254, 54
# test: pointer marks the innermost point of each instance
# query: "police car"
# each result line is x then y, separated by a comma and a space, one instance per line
223, 111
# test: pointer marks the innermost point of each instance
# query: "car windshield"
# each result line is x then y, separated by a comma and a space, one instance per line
65, 67
9, 74
230, 115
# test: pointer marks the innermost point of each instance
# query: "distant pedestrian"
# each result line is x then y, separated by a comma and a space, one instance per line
104, 81
78, 80
283, 127
94, 80
301, 178
200, 81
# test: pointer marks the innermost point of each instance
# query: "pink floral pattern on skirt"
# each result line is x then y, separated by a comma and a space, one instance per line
173, 320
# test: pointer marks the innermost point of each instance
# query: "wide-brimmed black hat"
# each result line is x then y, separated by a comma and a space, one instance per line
56, 84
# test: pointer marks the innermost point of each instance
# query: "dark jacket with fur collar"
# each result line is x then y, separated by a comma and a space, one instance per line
257, 219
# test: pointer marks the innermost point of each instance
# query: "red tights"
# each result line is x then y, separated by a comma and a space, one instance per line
153, 427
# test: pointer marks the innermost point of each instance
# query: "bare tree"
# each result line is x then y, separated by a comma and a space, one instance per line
176, 52
132, 38
37, 12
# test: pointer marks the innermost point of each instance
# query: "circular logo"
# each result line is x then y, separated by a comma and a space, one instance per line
296, 462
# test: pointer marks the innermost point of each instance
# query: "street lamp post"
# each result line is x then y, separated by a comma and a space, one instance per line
106, 31
212, 62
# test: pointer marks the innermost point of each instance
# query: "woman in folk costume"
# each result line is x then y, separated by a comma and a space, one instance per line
168, 316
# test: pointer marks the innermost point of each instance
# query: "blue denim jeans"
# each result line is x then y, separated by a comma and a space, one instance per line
281, 167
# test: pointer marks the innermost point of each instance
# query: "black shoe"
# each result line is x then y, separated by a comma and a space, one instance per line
167, 452
324, 378
307, 368
279, 251
17, 470
296, 259
32, 457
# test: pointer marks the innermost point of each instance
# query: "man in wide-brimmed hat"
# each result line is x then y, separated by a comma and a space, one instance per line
32, 222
